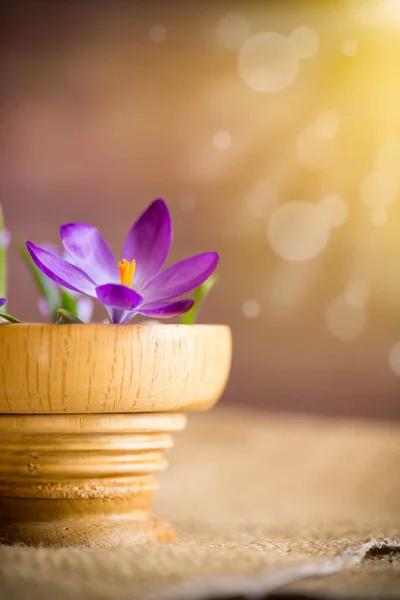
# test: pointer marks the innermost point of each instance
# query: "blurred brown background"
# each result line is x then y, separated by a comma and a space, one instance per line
272, 129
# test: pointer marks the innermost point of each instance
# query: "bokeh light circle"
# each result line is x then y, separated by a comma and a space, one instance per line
158, 33
298, 231
327, 123
349, 48
268, 62
378, 190
305, 40
222, 140
357, 293
251, 309
343, 320
232, 31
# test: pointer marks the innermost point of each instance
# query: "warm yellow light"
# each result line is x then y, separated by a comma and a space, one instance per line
380, 12
392, 5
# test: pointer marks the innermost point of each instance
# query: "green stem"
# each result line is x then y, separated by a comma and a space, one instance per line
200, 294
66, 318
69, 303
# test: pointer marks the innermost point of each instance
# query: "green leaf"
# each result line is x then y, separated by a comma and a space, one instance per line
42, 282
3, 260
66, 318
69, 303
9, 318
199, 295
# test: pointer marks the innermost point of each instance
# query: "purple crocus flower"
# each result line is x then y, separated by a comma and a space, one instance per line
5, 238
3, 301
146, 249
84, 305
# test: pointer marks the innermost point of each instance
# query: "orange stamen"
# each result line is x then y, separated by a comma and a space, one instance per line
127, 271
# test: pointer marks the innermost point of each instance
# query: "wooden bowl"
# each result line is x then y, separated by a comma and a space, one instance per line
86, 414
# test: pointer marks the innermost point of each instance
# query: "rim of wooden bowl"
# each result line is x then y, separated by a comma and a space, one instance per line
102, 368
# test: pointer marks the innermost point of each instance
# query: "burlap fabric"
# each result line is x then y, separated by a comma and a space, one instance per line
261, 503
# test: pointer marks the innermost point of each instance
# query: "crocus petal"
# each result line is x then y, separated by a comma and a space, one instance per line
5, 238
3, 301
149, 242
90, 251
163, 310
61, 271
181, 278
53, 248
116, 295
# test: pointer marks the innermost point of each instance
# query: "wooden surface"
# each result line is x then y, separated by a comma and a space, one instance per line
52, 369
67, 480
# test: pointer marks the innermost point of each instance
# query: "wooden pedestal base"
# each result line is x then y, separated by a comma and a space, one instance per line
82, 480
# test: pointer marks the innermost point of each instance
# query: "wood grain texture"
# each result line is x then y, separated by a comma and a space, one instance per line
53, 369
67, 480
77, 465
